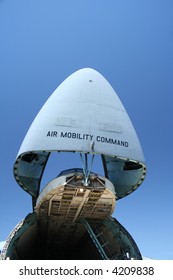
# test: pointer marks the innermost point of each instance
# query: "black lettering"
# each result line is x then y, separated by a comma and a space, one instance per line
52, 133
63, 134
55, 133
56, 271
114, 141
61, 271
46, 272
76, 270
21, 271
79, 136
111, 141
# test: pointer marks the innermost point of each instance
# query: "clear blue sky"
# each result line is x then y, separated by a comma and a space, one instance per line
131, 44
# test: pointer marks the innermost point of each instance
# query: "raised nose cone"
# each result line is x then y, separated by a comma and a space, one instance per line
84, 114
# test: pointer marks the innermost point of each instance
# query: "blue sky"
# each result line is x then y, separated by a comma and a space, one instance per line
131, 44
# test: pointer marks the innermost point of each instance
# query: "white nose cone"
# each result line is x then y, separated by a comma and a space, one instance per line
84, 114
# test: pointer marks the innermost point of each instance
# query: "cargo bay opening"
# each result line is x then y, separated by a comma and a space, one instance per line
72, 220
